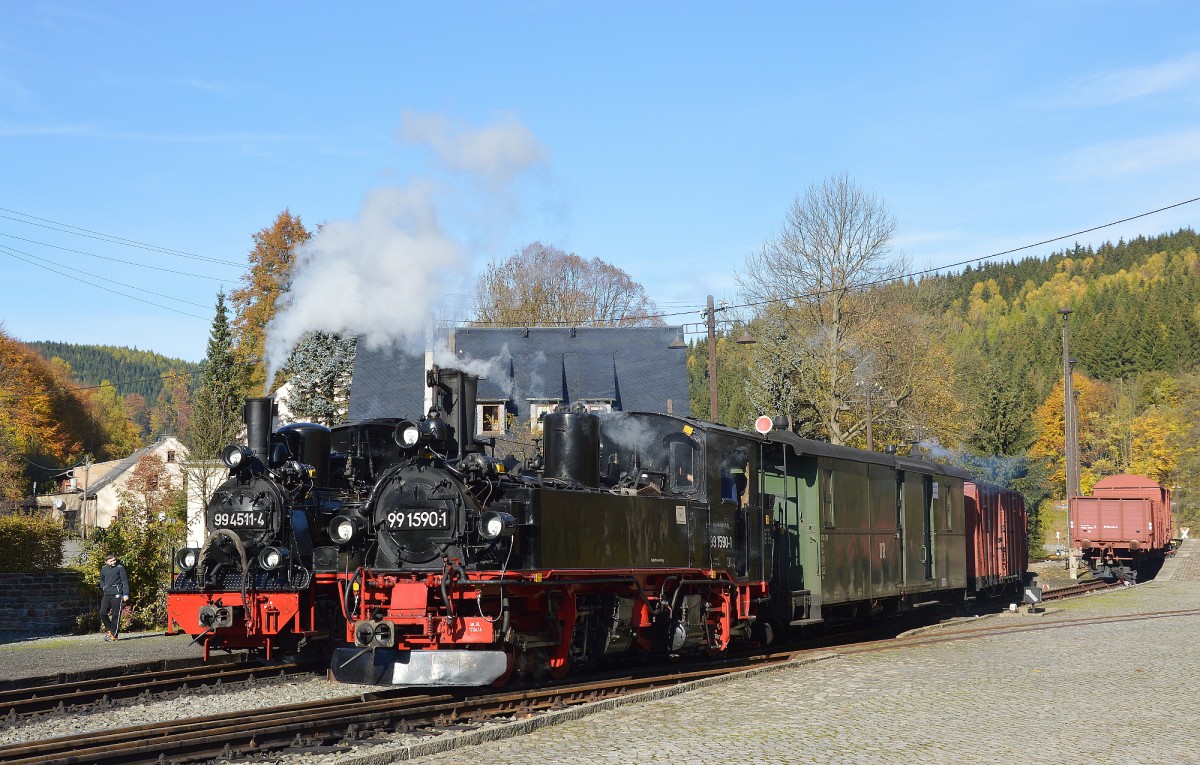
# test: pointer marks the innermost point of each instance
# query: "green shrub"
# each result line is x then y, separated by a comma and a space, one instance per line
30, 543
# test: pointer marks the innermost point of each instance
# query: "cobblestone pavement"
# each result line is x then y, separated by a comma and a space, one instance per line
1122, 693
1184, 565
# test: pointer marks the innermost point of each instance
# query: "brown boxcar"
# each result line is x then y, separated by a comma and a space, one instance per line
997, 541
1126, 522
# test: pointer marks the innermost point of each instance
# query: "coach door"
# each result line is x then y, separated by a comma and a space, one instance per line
916, 496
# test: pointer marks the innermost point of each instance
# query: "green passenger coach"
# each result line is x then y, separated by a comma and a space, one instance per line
858, 532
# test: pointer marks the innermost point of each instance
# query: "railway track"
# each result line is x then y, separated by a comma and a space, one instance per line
340, 723
324, 723
60, 696
1091, 585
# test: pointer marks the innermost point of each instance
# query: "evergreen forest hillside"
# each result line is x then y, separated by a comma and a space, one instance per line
129, 369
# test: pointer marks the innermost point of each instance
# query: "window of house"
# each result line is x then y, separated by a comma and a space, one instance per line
597, 407
538, 410
490, 418
170, 455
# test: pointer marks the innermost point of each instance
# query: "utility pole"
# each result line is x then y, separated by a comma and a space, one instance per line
87, 469
870, 432
710, 321
711, 315
1070, 446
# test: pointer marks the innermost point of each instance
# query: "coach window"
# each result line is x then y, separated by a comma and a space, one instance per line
948, 504
827, 498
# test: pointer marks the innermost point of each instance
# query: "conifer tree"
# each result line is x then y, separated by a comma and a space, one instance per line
321, 365
216, 416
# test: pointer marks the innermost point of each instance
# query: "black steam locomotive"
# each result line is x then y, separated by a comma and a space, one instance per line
633, 534
265, 578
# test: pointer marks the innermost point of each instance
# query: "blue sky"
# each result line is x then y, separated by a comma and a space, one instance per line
666, 138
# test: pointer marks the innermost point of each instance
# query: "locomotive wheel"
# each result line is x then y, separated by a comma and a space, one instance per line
501, 681
557, 669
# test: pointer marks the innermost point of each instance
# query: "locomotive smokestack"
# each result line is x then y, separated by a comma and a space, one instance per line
464, 389
257, 414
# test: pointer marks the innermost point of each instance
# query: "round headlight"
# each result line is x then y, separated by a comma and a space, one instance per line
187, 558
494, 525
407, 434
341, 530
272, 558
234, 456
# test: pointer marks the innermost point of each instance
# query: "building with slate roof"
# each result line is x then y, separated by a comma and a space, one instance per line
89, 495
529, 371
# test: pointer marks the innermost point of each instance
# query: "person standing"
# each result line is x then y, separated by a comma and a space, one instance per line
114, 584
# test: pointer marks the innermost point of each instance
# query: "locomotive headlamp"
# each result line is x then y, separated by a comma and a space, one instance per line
407, 434
343, 528
494, 524
272, 558
187, 558
235, 456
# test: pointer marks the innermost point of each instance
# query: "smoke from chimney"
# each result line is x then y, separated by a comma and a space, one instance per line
381, 275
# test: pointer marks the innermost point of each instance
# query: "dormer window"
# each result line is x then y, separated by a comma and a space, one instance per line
537, 411
490, 418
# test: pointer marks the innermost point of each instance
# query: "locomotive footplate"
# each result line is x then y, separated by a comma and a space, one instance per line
384, 666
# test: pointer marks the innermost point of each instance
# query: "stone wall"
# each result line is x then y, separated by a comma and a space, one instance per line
48, 602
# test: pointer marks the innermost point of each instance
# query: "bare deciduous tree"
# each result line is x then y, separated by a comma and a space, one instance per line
819, 275
543, 285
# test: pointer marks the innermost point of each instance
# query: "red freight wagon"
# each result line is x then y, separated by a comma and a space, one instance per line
1124, 526
998, 547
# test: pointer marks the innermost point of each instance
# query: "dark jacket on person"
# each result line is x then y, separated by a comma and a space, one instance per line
114, 580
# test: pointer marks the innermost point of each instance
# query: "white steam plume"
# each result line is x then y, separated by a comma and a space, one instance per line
381, 274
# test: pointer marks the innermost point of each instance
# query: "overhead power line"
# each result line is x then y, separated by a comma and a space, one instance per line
66, 228
17, 254
74, 272
117, 260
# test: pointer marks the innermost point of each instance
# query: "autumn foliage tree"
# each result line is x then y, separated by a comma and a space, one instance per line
254, 303
43, 419
542, 285
117, 435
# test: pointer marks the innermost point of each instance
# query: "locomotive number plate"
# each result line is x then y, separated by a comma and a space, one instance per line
240, 519
418, 519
